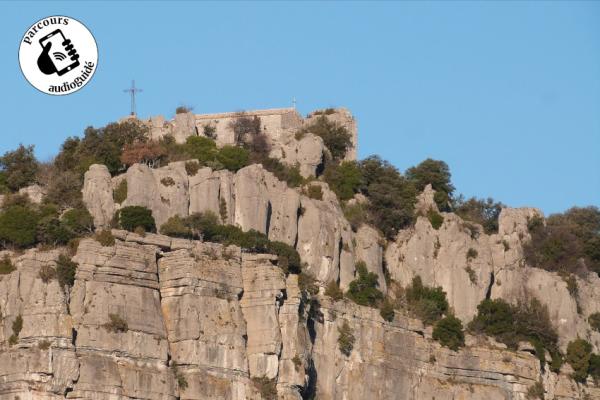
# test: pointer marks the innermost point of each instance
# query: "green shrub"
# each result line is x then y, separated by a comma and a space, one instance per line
437, 174
449, 332
210, 131
363, 290
285, 173
176, 227
578, 356
206, 226
47, 273
44, 345
472, 274
435, 219
335, 136
471, 253
344, 179
566, 239
192, 167
17, 325
356, 215
346, 339
78, 221
167, 181
6, 266
391, 197
223, 209
19, 167
594, 368
333, 290
105, 238
116, 324
181, 380
314, 192
572, 286
201, 148
266, 387
51, 231
120, 193
479, 211
65, 271
297, 362
308, 283
131, 217
536, 391
386, 310
494, 318
18, 226
183, 110
233, 158
524, 322
594, 321
426, 303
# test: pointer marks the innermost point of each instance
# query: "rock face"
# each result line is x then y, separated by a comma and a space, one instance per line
98, 194
204, 321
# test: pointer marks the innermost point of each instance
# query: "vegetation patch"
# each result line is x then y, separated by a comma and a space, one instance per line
266, 387
511, 324
536, 391
65, 271
17, 326
6, 266
120, 192
333, 291
471, 254
131, 217
116, 324
335, 136
386, 310
449, 332
105, 238
363, 290
426, 303
346, 339
567, 243
472, 274
484, 212
314, 192
435, 219
167, 181
47, 273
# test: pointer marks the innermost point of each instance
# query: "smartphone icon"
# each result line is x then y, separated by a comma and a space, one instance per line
62, 53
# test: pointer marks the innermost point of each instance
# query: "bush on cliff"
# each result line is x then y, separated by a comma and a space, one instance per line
449, 332
131, 217
480, 211
569, 243
18, 226
206, 226
578, 356
510, 324
437, 174
18, 168
426, 303
363, 290
335, 136
346, 339
344, 179
391, 196
100, 146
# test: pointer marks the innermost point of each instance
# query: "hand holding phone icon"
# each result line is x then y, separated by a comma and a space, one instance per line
57, 61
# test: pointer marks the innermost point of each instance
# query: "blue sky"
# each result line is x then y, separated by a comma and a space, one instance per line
507, 93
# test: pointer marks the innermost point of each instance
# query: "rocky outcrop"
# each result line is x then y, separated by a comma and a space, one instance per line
398, 360
98, 194
204, 321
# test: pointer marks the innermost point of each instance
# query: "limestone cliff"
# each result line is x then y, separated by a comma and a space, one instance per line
205, 321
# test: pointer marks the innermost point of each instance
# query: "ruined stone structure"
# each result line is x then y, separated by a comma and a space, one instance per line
279, 126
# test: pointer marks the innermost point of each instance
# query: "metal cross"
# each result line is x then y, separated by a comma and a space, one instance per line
132, 91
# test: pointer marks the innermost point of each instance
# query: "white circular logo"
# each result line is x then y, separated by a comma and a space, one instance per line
58, 55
